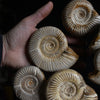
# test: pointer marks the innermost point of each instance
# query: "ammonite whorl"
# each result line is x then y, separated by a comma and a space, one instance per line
79, 17
65, 85
49, 49
27, 82
89, 94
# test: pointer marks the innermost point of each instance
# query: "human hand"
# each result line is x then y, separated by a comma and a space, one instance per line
15, 41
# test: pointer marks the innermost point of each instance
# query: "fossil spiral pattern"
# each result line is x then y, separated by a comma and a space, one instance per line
79, 17
65, 85
89, 94
49, 49
27, 82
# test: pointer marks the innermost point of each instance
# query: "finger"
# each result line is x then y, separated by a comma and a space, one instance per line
40, 14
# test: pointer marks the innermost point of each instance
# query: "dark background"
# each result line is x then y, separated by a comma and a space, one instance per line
12, 11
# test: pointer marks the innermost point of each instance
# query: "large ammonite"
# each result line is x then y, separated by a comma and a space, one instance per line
79, 17
65, 85
89, 94
27, 82
49, 49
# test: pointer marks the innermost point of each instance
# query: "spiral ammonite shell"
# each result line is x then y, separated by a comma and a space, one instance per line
79, 17
49, 49
65, 85
27, 82
89, 94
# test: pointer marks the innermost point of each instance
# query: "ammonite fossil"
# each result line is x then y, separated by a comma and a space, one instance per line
27, 82
65, 85
49, 49
79, 17
89, 94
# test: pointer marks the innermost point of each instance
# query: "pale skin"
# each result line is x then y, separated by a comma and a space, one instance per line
15, 41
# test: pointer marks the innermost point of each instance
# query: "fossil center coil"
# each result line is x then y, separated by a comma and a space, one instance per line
67, 90
50, 46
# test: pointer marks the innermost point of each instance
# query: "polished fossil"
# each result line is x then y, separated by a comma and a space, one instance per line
48, 49
69, 85
79, 17
27, 83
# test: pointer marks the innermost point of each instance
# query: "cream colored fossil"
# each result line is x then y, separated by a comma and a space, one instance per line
27, 82
49, 49
65, 85
79, 17
89, 94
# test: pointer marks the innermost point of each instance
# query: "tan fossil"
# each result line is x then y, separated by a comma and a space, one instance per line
48, 49
27, 83
79, 17
89, 94
65, 85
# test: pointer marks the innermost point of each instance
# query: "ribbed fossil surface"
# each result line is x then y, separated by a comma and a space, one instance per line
27, 82
79, 17
49, 49
65, 85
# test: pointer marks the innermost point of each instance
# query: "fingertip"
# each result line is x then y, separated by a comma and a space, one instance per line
51, 4
40, 14
43, 12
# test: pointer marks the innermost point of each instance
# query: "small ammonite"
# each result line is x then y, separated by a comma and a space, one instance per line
89, 94
49, 49
65, 85
27, 82
79, 17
